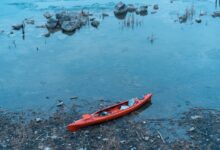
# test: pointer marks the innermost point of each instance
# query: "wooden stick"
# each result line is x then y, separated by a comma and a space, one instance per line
161, 136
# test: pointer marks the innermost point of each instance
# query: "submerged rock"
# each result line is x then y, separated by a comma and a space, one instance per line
18, 26
198, 20
52, 23
95, 23
156, 7
153, 12
183, 18
120, 9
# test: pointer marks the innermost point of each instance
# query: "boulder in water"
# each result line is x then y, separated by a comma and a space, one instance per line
120, 9
95, 23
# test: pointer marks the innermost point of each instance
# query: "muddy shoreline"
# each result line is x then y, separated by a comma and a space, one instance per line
198, 128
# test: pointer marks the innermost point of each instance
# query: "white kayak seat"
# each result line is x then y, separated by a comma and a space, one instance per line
131, 102
123, 107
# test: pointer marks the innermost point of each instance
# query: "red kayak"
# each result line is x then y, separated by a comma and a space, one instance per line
109, 113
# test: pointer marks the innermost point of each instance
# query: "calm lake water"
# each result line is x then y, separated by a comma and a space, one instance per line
115, 62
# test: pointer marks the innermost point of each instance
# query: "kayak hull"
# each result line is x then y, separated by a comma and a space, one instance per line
114, 112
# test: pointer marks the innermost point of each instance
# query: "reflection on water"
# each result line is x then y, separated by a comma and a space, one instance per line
217, 3
131, 21
120, 59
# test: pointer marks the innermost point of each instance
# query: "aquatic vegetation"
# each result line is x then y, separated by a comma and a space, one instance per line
188, 15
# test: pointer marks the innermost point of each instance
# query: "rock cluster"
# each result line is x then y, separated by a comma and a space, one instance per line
66, 21
121, 9
69, 22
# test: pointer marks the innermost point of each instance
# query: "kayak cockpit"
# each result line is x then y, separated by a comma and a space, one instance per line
116, 108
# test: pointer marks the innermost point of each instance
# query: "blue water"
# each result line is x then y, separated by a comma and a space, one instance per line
180, 68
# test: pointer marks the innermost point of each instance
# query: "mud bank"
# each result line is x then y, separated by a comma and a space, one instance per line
197, 128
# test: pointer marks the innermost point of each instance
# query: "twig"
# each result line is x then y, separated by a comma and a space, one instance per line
14, 43
138, 135
39, 136
161, 136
